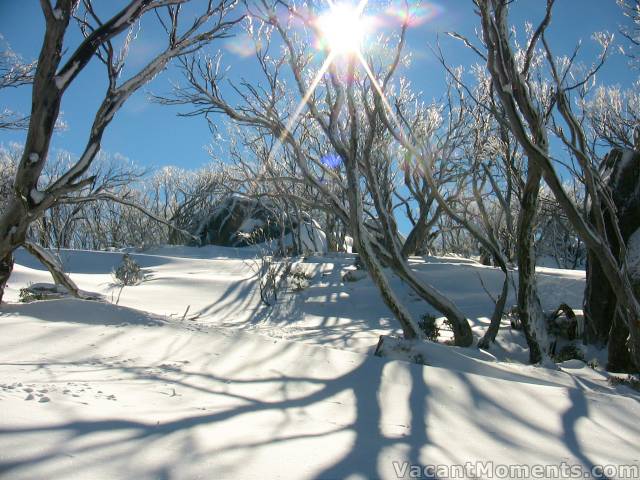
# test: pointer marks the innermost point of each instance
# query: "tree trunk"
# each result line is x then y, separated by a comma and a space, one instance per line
415, 237
410, 328
604, 323
529, 308
6, 267
489, 336
599, 303
619, 358
54, 267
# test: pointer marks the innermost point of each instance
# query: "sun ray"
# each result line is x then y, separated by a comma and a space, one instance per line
316, 81
361, 6
378, 88
303, 103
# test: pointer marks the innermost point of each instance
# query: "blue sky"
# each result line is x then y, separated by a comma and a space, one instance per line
152, 135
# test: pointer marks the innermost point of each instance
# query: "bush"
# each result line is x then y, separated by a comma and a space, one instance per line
430, 327
299, 278
630, 381
569, 352
128, 273
41, 291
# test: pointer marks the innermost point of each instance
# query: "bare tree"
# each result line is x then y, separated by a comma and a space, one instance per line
52, 79
525, 118
631, 10
340, 120
14, 72
614, 116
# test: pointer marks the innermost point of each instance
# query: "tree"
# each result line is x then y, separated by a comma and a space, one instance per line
336, 137
52, 79
524, 114
631, 10
14, 72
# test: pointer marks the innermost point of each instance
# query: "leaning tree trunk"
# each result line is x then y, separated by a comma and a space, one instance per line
54, 267
410, 328
603, 322
490, 335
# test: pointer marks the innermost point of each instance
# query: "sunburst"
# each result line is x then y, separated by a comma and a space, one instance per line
342, 30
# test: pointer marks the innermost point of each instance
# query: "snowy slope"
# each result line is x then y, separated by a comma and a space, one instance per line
233, 389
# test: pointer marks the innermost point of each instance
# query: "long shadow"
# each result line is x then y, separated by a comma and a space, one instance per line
363, 458
577, 410
418, 401
369, 440
85, 312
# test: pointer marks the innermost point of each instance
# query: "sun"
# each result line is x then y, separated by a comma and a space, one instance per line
342, 29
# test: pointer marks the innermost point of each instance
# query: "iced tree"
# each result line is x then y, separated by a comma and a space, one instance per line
528, 119
53, 77
335, 134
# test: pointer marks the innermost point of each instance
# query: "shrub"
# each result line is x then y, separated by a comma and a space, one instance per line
299, 278
630, 381
128, 273
569, 352
429, 326
41, 291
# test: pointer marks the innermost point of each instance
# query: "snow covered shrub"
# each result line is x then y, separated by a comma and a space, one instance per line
299, 278
569, 352
631, 381
354, 275
593, 364
27, 295
128, 273
395, 348
41, 291
273, 277
563, 323
514, 318
429, 326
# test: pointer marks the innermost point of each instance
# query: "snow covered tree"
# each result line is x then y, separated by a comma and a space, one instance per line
14, 72
527, 119
336, 134
53, 77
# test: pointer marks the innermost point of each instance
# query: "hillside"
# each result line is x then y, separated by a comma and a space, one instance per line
230, 388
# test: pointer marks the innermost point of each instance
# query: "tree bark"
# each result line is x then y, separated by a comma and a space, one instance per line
6, 267
529, 308
604, 323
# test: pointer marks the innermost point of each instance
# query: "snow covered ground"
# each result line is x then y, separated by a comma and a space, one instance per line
190, 376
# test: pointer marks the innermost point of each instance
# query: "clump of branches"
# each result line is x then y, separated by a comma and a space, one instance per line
128, 272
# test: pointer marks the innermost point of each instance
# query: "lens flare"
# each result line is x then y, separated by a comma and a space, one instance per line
415, 14
331, 160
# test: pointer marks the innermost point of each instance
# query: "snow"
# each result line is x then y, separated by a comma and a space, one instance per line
63, 79
36, 195
190, 376
633, 256
34, 157
622, 167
